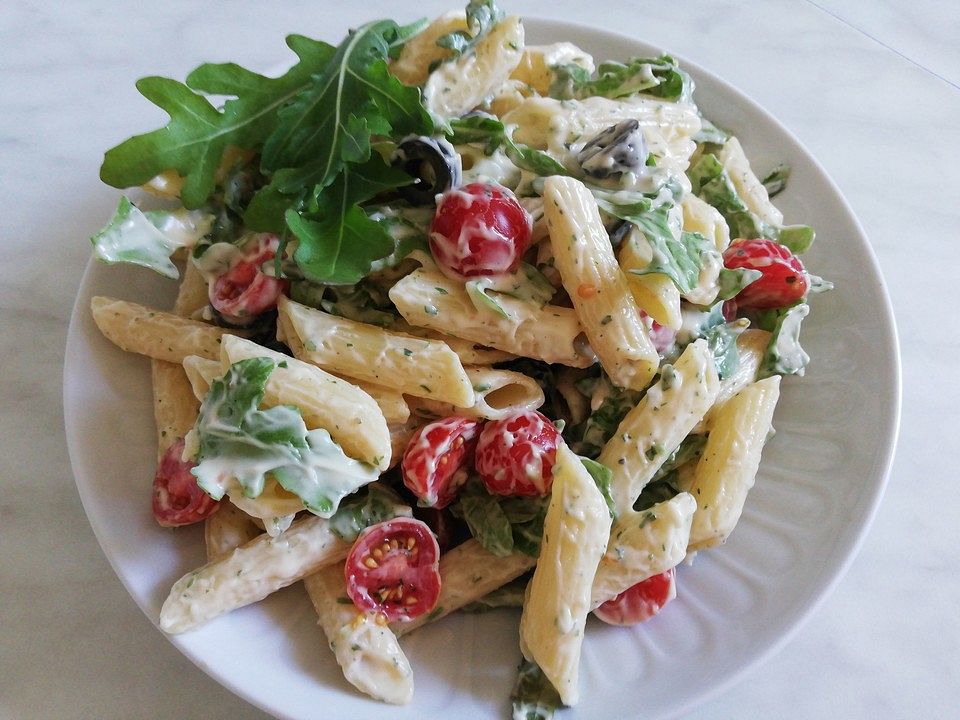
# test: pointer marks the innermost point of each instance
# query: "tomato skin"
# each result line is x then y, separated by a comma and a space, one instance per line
393, 569
434, 463
515, 456
639, 602
177, 499
783, 280
245, 291
479, 229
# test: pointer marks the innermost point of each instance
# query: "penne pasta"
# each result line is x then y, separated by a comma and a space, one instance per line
423, 368
499, 394
553, 334
654, 293
227, 529
174, 405
366, 650
470, 353
701, 217
747, 184
193, 294
751, 344
156, 334
596, 285
421, 53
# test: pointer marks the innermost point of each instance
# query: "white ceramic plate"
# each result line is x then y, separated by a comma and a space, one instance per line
817, 489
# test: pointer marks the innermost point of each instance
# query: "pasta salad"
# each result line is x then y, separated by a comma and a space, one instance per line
462, 323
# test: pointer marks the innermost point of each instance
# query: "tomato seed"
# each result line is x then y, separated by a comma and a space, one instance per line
370, 562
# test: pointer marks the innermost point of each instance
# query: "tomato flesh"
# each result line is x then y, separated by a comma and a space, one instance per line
515, 456
782, 282
434, 465
479, 229
393, 569
245, 291
177, 499
639, 602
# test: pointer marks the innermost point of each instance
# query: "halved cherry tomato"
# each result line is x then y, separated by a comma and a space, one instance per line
479, 229
661, 336
393, 569
177, 499
515, 456
434, 465
245, 291
782, 282
640, 602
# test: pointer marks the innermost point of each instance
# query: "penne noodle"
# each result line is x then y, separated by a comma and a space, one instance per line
200, 372
423, 368
467, 573
654, 293
352, 418
156, 334
499, 394
553, 334
470, 353
366, 650
227, 529
421, 53
597, 287
174, 406
193, 294
751, 344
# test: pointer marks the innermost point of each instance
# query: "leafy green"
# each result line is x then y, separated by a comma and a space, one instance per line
194, 141
493, 134
722, 340
710, 134
783, 355
360, 512
588, 438
680, 260
660, 77
776, 180
690, 449
526, 283
796, 238
482, 16
236, 440
733, 280
533, 697
149, 238
602, 475
503, 525
330, 123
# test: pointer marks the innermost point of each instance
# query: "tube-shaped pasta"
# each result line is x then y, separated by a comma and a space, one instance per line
751, 344
193, 294
553, 334
699, 216
467, 573
470, 353
748, 185
654, 293
659, 422
499, 394
421, 53
643, 544
227, 529
174, 405
156, 334
728, 467
598, 288
366, 650
352, 418
424, 368
555, 609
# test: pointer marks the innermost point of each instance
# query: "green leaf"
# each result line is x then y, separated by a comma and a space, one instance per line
503, 525
238, 441
360, 512
149, 238
509, 595
712, 183
660, 77
776, 181
680, 260
602, 475
482, 16
783, 355
796, 238
492, 134
722, 340
600, 426
710, 134
194, 140
533, 697
690, 449
330, 124
733, 280
487, 522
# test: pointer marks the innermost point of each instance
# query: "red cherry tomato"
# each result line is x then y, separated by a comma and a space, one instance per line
245, 291
434, 463
661, 336
393, 569
782, 282
479, 229
640, 602
515, 456
177, 499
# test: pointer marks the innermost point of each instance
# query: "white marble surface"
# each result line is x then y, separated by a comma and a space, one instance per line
869, 87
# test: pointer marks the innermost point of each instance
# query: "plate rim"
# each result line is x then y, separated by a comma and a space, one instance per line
891, 421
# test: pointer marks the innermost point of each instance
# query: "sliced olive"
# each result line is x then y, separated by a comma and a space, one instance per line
618, 149
433, 163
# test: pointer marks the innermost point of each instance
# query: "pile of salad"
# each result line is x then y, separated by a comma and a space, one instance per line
427, 146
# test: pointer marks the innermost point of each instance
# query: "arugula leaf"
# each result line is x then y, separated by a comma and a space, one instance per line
533, 697
236, 440
710, 134
722, 340
776, 180
525, 283
602, 475
482, 16
690, 449
149, 238
338, 240
503, 525
600, 426
680, 260
660, 77
358, 513
330, 123
796, 238
783, 355
194, 140
733, 280
493, 134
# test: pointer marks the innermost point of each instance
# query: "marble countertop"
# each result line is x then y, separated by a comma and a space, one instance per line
871, 87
